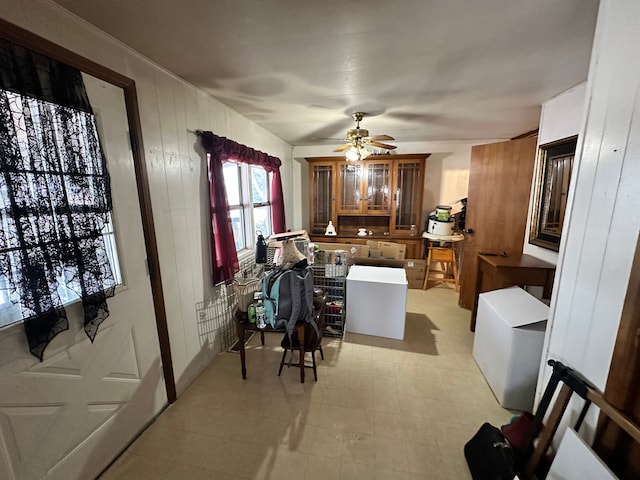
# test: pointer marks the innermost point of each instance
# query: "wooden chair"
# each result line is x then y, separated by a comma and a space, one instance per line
312, 340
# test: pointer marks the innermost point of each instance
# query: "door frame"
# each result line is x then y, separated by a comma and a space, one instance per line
41, 45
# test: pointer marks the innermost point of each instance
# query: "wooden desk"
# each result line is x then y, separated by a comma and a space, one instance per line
496, 272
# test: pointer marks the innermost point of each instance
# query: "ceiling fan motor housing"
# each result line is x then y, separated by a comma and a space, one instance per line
357, 133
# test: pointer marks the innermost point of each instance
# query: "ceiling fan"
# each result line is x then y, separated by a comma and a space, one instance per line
358, 140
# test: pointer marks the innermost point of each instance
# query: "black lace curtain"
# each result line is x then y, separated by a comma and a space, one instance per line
54, 195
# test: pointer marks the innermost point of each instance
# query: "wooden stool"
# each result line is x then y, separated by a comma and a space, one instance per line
444, 255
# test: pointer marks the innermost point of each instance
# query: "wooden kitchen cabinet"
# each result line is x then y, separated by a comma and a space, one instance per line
382, 194
414, 247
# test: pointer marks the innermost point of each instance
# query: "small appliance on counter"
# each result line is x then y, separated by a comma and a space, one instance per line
438, 227
443, 213
441, 222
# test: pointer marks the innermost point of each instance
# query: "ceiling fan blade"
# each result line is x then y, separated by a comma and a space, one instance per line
342, 148
382, 145
377, 138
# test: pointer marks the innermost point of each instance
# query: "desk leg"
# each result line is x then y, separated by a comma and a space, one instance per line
474, 312
548, 285
240, 329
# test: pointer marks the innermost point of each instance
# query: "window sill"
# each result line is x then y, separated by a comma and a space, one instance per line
245, 255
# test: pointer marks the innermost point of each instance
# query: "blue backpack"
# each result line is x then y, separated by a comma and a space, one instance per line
288, 297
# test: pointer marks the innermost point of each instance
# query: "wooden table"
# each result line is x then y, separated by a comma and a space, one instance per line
496, 272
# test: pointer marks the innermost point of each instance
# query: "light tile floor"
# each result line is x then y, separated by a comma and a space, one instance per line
381, 409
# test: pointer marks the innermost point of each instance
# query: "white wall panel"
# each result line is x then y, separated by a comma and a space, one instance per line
604, 212
561, 116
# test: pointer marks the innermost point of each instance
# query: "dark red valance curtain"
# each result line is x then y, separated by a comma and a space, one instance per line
220, 149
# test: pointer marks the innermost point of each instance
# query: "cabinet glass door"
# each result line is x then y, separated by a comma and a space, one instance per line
323, 196
349, 196
408, 186
378, 186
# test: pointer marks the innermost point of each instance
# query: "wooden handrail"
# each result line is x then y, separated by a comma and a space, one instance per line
614, 414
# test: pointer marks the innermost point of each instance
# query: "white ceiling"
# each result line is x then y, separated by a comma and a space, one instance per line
424, 69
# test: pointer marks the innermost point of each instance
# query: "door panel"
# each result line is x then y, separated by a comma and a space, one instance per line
500, 177
69, 416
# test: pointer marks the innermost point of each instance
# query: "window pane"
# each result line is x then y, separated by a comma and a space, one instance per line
232, 182
259, 185
109, 238
237, 224
262, 220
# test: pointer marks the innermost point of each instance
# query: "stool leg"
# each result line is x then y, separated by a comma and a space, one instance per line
313, 359
426, 273
455, 271
321, 352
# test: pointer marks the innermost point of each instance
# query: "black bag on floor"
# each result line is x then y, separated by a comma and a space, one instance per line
489, 455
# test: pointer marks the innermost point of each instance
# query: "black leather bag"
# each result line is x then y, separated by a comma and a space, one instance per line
489, 455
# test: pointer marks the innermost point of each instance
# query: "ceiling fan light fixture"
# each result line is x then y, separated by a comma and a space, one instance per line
356, 152
352, 155
364, 153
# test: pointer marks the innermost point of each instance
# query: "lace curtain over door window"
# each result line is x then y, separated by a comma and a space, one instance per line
54, 196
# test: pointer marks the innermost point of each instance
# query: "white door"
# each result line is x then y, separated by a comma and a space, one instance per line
70, 415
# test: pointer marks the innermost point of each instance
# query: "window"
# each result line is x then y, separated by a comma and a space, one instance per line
553, 174
249, 206
11, 312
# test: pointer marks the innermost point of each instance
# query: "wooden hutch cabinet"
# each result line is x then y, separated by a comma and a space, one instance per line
382, 194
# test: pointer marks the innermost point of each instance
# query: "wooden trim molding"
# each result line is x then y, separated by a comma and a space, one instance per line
30, 40
529, 134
